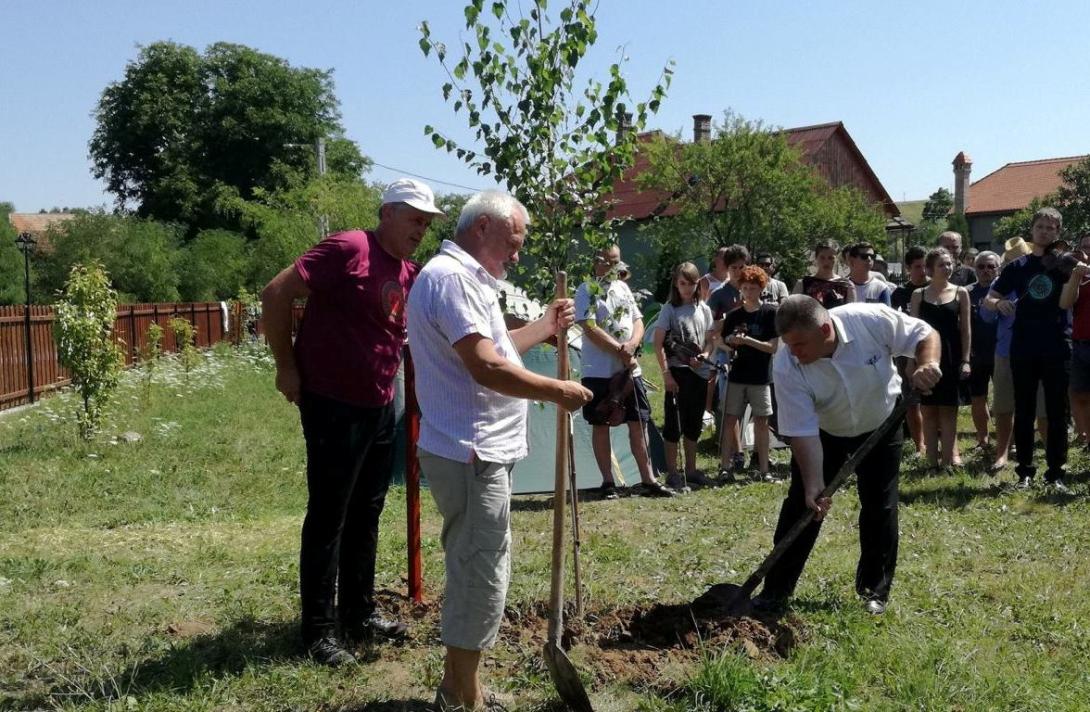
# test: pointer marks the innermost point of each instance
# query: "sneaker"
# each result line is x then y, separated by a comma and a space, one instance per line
698, 478
726, 475
375, 626
677, 483
328, 651
608, 490
769, 477
1058, 487
654, 489
1024, 483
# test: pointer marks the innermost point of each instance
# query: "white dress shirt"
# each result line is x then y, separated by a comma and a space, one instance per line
453, 297
851, 392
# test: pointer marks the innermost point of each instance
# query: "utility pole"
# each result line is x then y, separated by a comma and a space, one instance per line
319, 155
319, 151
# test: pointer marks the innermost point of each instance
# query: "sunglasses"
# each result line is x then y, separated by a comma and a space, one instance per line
866, 256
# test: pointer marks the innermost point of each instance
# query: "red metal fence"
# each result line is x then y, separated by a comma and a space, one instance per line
130, 330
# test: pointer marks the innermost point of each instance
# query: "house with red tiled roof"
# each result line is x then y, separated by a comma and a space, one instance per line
1004, 191
37, 224
827, 148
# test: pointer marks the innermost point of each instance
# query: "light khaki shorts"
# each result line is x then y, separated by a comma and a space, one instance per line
474, 499
758, 397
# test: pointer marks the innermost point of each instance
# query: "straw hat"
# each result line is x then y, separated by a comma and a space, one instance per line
1014, 248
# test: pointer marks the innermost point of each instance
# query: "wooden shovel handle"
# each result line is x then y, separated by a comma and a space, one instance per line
556, 591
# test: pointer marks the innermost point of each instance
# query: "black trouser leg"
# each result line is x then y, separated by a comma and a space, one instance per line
1054, 377
877, 519
359, 540
877, 479
338, 440
1025, 374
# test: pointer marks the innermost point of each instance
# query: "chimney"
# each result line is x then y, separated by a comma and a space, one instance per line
624, 122
963, 166
702, 127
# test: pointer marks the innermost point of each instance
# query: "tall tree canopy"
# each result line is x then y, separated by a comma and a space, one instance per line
182, 129
556, 145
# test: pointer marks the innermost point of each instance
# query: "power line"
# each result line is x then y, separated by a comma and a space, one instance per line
417, 175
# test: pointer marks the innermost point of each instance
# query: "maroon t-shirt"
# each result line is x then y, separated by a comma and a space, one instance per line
349, 345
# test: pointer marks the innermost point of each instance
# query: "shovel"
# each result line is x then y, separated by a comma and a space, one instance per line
738, 600
565, 677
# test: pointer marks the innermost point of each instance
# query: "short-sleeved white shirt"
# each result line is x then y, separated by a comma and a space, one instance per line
453, 297
851, 392
616, 314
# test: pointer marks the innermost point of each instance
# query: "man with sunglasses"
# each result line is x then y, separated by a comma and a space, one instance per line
776, 291
982, 351
868, 288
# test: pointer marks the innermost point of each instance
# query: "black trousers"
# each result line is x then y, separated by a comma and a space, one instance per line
876, 480
684, 413
349, 456
1026, 373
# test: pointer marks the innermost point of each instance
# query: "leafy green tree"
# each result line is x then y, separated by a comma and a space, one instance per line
556, 146
748, 185
1017, 225
213, 266
1072, 198
83, 329
11, 260
938, 205
140, 255
182, 125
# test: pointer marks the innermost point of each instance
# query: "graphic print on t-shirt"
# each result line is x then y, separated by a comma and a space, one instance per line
393, 302
1040, 287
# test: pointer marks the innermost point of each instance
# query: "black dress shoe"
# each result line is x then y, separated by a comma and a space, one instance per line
328, 651
375, 626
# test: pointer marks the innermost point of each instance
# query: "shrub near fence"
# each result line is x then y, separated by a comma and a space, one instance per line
130, 330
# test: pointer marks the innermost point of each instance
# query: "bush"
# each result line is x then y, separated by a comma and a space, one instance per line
83, 329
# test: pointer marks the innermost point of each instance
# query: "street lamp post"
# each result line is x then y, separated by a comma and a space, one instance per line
26, 242
319, 156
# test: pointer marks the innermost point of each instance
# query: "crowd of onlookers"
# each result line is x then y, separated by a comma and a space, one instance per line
1014, 328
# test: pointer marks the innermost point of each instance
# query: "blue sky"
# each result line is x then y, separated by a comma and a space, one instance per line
1004, 81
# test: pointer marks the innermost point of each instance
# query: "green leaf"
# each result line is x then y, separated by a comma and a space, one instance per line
438, 140
497, 10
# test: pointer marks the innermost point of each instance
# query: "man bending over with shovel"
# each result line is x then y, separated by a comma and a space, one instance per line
836, 383
472, 390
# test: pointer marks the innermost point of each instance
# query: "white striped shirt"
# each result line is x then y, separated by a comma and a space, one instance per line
453, 297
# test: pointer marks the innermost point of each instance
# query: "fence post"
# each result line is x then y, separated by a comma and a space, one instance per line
132, 333
29, 350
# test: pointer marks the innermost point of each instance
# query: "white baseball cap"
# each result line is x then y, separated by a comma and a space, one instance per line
412, 193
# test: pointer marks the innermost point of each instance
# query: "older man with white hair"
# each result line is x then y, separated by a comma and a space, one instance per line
472, 389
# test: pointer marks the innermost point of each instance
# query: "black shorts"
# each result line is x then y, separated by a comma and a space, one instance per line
636, 410
979, 377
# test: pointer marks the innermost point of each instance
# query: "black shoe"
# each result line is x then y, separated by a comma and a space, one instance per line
375, 626
875, 606
654, 489
1057, 486
769, 603
608, 490
328, 651
1024, 483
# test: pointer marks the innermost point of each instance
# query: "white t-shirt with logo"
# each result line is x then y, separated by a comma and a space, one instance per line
614, 311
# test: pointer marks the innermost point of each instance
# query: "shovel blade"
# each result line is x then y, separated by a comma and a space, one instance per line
724, 600
566, 679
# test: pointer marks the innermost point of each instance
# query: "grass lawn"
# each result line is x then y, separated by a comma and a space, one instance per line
161, 574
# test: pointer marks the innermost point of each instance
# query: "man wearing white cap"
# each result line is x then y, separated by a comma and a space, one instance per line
341, 375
